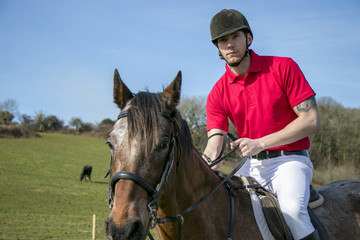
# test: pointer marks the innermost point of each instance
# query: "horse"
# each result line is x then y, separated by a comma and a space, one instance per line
158, 179
86, 173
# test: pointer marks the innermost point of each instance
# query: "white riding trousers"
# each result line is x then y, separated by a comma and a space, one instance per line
289, 178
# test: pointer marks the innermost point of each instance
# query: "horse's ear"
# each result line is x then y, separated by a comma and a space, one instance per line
171, 95
121, 92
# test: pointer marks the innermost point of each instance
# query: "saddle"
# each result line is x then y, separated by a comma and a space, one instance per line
273, 215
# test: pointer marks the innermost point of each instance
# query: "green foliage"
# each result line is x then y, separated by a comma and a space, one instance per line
26, 120
80, 126
107, 121
43, 123
6, 117
8, 110
16, 131
86, 127
338, 140
76, 123
193, 111
52, 123
39, 122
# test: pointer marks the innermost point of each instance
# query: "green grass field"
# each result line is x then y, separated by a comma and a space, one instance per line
41, 193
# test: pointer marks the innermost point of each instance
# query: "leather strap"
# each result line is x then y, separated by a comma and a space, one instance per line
273, 154
136, 179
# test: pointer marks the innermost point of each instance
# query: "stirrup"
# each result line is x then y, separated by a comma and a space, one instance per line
316, 200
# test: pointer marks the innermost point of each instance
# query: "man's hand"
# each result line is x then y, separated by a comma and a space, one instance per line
247, 147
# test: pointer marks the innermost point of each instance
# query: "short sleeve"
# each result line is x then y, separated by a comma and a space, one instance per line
296, 86
215, 115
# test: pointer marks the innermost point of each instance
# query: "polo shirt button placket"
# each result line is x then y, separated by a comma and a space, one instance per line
250, 98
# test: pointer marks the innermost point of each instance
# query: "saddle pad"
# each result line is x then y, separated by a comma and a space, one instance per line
258, 212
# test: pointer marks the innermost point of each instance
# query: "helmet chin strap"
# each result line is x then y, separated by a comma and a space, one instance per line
238, 63
245, 55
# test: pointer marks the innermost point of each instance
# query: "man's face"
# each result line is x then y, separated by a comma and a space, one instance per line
233, 46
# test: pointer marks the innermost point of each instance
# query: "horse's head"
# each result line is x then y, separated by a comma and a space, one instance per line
143, 145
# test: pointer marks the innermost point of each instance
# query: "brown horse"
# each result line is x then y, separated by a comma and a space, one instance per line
157, 174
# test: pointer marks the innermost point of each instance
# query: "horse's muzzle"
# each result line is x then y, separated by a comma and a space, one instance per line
132, 230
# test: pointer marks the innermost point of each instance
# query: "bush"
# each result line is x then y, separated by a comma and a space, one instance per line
101, 131
6, 117
16, 131
337, 141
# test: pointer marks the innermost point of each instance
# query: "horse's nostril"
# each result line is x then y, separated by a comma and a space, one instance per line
132, 230
108, 231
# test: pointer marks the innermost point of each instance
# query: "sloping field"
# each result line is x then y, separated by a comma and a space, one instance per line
41, 193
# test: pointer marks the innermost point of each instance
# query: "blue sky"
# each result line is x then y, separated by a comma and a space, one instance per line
58, 57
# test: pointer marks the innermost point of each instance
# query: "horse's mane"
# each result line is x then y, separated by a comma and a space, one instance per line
145, 118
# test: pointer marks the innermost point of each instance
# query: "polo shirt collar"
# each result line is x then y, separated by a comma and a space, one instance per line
255, 66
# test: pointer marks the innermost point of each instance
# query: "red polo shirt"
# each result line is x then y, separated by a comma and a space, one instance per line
260, 103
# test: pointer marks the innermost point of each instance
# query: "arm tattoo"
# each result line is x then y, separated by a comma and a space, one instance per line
306, 105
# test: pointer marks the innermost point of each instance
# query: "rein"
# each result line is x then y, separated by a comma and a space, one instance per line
154, 193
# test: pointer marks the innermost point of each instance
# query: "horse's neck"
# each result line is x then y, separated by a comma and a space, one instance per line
199, 177
194, 179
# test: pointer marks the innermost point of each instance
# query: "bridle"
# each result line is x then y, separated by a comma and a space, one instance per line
154, 193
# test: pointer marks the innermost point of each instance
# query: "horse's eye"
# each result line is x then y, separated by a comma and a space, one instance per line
110, 144
163, 145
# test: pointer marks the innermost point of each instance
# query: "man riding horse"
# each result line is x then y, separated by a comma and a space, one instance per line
274, 111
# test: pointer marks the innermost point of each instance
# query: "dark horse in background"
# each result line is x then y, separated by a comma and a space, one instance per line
86, 173
156, 173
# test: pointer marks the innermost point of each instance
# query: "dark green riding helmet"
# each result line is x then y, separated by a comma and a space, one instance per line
227, 21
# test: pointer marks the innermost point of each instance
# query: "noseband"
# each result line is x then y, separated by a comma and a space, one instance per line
153, 193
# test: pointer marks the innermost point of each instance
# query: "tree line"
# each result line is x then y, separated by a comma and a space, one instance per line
30, 125
336, 143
